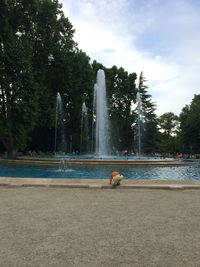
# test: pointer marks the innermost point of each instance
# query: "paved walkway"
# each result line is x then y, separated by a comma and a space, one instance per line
51, 226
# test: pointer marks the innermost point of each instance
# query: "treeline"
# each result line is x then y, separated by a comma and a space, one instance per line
38, 58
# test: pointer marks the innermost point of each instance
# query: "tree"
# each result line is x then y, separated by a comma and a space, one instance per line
36, 41
121, 94
190, 126
169, 123
149, 138
169, 133
80, 90
18, 98
54, 50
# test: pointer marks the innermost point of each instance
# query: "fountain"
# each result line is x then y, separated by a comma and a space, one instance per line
64, 165
93, 117
100, 118
60, 142
101, 166
92, 167
139, 120
84, 142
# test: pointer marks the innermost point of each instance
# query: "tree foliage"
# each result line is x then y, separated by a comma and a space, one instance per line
169, 123
169, 133
38, 58
190, 126
18, 98
121, 94
149, 135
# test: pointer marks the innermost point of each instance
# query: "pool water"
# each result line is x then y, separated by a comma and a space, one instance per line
135, 173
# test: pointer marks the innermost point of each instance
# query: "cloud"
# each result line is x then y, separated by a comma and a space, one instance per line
160, 38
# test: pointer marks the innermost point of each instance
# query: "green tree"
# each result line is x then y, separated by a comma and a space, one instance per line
18, 98
54, 50
169, 123
79, 91
190, 126
121, 95
149, 135
35, 39
169, 133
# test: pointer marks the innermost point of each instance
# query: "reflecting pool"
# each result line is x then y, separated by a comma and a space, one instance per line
135, 173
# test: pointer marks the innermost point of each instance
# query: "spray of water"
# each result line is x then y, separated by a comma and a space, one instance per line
84, 142
60, 142
139, 118
102, 135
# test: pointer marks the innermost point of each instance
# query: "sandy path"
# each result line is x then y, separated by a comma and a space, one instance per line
83, 227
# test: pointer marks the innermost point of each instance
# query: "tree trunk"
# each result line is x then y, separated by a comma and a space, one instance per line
10, 148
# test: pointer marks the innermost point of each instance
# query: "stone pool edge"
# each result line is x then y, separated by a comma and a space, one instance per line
98, 183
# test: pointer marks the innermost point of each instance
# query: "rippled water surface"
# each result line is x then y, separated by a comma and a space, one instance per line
147, 172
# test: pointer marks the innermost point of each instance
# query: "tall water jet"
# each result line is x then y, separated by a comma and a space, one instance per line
102, 140
60, 142
139, 120
93, 117
84, 142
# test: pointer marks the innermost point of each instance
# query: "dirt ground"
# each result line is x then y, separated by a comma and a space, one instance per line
110, 227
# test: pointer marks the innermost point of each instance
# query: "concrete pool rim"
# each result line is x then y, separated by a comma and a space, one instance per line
97, 162
98, 184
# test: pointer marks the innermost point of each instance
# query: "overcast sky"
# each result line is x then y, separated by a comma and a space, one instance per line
159, 37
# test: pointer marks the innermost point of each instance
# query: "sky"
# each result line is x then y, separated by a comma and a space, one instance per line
159, 37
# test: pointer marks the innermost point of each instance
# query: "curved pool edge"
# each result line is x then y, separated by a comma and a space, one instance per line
95, 162
9, 182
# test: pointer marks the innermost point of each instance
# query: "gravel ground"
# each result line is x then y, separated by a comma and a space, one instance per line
113, 227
